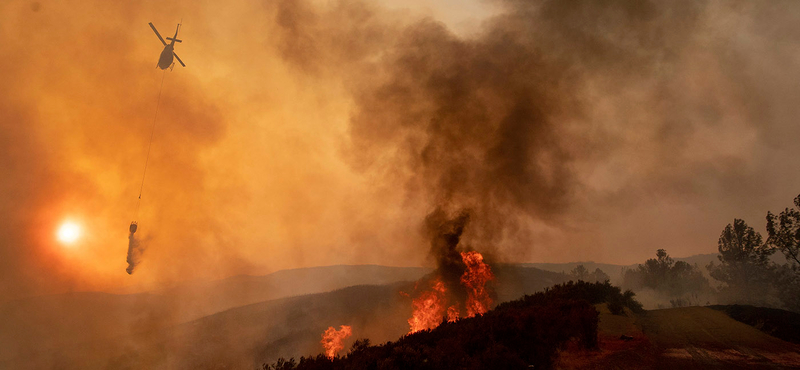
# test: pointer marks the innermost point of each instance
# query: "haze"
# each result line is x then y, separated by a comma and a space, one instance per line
309, 133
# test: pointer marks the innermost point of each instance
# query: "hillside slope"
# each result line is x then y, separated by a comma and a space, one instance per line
37, 326
701, 337
246, 335
683, 338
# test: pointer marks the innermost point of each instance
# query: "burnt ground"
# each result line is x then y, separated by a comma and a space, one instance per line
682, 338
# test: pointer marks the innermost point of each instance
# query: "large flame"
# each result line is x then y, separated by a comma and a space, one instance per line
333, 340
429, 307
475, 278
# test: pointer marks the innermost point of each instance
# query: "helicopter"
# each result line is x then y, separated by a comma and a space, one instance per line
165, 60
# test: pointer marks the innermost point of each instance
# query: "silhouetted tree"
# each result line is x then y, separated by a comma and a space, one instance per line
787, 285
663, 274
360, 345
281, 364
744, 269
784, 233
600, 276
580, 273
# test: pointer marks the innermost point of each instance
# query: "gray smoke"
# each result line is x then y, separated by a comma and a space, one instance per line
135, 251
554, 113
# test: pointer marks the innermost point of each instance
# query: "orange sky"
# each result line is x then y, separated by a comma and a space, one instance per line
307, 133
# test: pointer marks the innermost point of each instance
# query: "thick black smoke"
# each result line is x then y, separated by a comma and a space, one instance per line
444, 232
475, 124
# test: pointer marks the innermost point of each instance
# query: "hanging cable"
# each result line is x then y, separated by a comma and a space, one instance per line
150, 144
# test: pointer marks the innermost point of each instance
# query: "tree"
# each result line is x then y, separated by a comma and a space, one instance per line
657, 270
784, 233
787, 282
600, 276
744, 267
359, 345
580, 273
666, 276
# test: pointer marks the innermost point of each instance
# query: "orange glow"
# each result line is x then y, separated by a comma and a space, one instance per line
332, 339
475, 278
68, 233
428, 308
452, 313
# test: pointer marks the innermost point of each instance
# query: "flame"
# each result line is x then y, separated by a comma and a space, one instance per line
428, 308
475, 278
452, 313
332, 339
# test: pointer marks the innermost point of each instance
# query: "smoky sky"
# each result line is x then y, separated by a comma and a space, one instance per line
558, 115
307, 133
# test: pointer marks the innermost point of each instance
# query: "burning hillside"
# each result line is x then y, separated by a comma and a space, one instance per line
332, 339
458, 287
429, 306
524, 333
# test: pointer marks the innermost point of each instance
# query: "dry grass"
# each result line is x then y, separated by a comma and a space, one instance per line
681, 338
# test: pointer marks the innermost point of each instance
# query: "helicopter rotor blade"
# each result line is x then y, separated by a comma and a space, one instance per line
157, 34
179, 59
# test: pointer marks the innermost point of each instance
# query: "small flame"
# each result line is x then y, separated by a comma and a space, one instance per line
428, 308
332, 339
475, 278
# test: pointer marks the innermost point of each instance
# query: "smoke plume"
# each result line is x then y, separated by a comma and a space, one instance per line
556, 117
444, 233
135, 251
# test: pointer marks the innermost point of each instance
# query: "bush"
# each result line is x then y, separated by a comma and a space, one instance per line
616, 307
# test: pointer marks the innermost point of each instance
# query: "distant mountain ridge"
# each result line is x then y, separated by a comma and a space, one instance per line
149, 330
36, 325
615, 271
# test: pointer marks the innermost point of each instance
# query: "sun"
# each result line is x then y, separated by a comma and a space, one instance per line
69, 232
